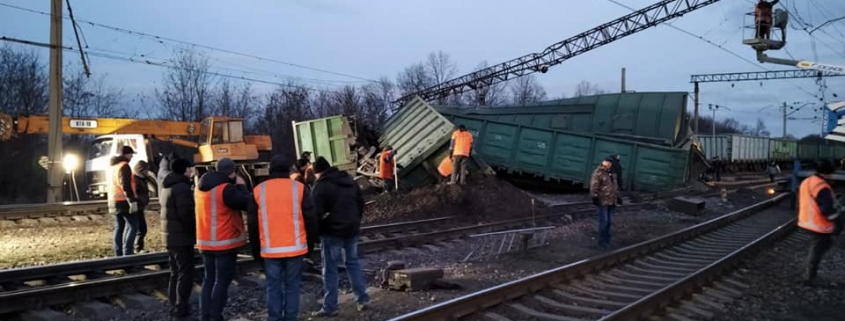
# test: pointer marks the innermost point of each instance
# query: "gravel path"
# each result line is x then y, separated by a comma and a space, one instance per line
778, 293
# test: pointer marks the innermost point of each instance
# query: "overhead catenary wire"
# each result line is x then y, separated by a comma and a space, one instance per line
192, 44
163, 64
78, 40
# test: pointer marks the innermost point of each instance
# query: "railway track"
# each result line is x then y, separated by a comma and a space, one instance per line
20, 212
630, 283
44, 286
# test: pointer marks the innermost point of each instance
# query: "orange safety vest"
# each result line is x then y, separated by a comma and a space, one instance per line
809, 215
117, 192
280, 223
445, 167
385, 168
218, 226
463, 143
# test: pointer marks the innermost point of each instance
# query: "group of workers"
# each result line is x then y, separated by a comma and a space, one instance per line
286, 214
454, 166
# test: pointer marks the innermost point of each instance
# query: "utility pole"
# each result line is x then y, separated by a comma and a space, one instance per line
784, 120
54, 137
695, 114
714, 108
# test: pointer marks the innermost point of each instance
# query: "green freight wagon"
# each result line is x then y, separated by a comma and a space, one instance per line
653, 117
568, 156
420, 137
782, 149
333, 138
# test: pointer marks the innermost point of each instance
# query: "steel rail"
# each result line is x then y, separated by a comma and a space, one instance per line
487, 298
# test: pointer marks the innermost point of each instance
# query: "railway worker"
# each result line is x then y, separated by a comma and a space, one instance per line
142, 194
122, 202
773, 170
277, 232
817, 212
179, 230
307, 170
296, 171
604, 191
220, 197
339, 206
386, 166
763, 18
460, 148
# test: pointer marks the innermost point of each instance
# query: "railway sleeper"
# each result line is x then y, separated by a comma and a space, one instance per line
573, 309
655, 272
644, 284
586, 299
669, 267
540, 315
598, 284
612, 295
675, 261
645, 277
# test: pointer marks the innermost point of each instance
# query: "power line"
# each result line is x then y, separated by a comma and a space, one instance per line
163, 64
208, 47
78, 41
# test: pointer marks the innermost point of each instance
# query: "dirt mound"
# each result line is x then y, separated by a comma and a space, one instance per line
481, 199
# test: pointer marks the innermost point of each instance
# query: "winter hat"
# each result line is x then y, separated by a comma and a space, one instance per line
226, 166
141, 167
321, 165
179, 166
279, 164
127, 150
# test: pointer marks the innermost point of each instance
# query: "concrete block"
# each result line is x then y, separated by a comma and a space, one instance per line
391, 266
95, 310
80, 218
414, 279
136, 302
47, 220
687, 205
63, 219
44, 315
7, 224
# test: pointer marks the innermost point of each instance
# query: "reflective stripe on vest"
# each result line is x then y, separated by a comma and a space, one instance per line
117, 192
300, 244
809, 214
214, 243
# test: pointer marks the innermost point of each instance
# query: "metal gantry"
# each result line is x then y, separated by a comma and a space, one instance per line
559, 52
762, 75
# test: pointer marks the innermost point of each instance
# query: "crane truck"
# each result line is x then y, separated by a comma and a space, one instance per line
208, 141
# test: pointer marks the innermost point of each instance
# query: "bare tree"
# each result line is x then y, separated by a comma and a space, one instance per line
84, 97
375, 100
234, 101
23, 91
526, 90
440, 67
413, 79
586, 88
759, 130
283, 106
322, 105
487, 94
187, 90
347, 100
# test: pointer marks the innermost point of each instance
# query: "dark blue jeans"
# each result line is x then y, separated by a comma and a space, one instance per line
219, 271
125, 230
283, 280
333, 249
389, 185
604, 213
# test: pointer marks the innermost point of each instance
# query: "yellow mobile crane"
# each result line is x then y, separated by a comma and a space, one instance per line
217, 138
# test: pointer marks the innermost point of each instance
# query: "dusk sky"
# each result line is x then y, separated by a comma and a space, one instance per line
371, 39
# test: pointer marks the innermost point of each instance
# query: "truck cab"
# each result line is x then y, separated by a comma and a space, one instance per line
98, 163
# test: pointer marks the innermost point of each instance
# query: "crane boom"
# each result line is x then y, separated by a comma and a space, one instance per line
559, 52
38, 124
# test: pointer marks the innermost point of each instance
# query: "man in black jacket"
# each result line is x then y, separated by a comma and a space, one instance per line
219, 261
178, 226
142, 194
122, 202
339, 205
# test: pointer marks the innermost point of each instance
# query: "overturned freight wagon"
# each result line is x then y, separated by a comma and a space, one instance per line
653, 117
570, 156
333, 138
420, 137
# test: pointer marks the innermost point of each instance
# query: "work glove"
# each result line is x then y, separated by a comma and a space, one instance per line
133, 207
595, 201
